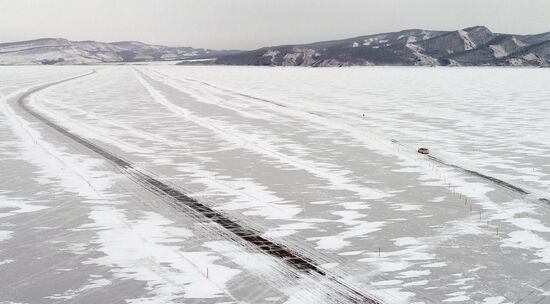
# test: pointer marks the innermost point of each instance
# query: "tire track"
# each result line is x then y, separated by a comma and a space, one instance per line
480, 175
488, 178
183, 202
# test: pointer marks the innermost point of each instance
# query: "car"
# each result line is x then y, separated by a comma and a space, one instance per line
423, 151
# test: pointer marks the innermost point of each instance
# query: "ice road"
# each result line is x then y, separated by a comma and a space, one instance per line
169, 184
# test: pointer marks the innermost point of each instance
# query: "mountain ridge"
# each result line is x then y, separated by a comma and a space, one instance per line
64, 51
471, 46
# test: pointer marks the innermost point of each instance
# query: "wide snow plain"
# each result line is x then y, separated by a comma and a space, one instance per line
322, 161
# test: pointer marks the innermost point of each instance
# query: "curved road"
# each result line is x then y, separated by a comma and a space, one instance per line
182, 202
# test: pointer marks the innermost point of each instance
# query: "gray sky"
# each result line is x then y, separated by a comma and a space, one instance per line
247, 24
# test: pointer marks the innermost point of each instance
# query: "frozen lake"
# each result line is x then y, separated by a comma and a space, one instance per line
322, 162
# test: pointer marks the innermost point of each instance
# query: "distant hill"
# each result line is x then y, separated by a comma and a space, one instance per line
474, 46
63, 51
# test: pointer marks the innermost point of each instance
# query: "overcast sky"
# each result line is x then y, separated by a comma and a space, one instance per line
247, 24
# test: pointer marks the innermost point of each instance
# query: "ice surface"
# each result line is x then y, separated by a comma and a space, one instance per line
322, 161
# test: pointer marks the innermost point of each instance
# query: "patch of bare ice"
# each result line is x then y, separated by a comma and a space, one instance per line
17, 207
72, 293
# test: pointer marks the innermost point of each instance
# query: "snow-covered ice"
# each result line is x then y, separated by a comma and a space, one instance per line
322, 161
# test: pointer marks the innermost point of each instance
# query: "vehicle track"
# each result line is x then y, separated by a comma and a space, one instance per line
180, 200
480, 175
492, 179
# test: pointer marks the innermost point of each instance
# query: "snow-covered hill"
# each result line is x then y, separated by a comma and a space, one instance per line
473, 46
470, 46
63, 51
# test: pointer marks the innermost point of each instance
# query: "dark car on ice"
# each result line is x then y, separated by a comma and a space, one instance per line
423, 151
